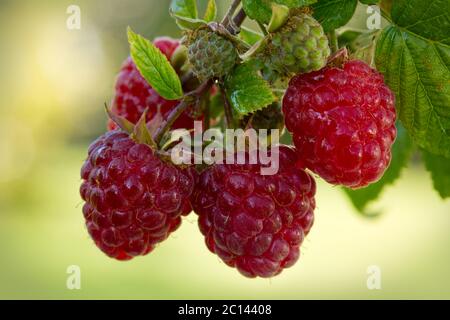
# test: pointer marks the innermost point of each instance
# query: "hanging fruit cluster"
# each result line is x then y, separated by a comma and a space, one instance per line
337, 109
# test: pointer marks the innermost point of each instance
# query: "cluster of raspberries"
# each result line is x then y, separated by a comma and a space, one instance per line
342, 120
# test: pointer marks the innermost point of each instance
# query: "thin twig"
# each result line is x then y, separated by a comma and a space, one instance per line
187, 77
334, 45
179, 109
239, 18
207, 113
227, 19
168, 122
196, 94
263, 28
227, 108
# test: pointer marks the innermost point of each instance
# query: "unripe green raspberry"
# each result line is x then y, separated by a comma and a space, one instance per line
211, 55
300, 46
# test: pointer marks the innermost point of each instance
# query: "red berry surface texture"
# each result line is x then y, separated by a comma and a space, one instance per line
133, 94
343, 123
133, 199
256, 223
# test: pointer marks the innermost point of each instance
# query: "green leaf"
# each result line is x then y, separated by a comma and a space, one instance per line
250, 36
154, 67
439, 167
261, 10
216, 107
211, 11
401, 153
333, 14
184, 12
347, 38
369, 2
430, 20
188, 23
280, 15
185, 8
414, 56
246, 90
386, 5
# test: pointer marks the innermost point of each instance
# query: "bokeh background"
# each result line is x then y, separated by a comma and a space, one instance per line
53, 84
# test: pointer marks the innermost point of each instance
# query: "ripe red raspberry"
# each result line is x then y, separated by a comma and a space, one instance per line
133, 93
343, 123
256, 223
166, 45
133, 199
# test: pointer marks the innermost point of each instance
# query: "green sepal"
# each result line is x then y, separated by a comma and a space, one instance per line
179, 57
250, 36
280, 14
186, 23
255, 50
141, 134
121, 122
211, 11
184, 9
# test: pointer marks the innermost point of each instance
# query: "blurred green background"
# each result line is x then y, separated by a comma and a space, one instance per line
53, 85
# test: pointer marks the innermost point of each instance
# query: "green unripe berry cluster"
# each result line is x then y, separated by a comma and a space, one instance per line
211, 55
300, 46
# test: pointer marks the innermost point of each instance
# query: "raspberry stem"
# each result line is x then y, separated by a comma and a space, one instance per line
334, 45
189, 98
207, 113
227, 108
263, 28
239, 18
227, 20
232, 25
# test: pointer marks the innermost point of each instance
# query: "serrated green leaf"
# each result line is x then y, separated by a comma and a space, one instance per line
246, 90
211, 11
430, 20
414, 56
154, 67
250, 36
333, 14
261, 10
439, 167
401, 153
185, 8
